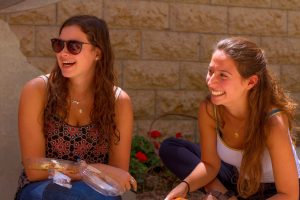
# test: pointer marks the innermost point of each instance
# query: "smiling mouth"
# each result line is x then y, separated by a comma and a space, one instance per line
217, 93
67, 63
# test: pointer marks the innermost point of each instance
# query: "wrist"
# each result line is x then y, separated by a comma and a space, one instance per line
187, 186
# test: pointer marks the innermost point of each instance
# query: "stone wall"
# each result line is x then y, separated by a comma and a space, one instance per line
163, 47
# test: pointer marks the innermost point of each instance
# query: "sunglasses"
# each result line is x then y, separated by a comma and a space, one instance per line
73, 46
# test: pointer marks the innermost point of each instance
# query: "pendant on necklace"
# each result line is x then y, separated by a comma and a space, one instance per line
236, 135
75, 101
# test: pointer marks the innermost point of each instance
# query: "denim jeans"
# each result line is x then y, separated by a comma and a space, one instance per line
46, 190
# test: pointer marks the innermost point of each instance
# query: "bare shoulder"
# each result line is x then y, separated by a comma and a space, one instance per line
37, 85
278, 127
206, 108
34, 92
123, 98
277, 120
123, 102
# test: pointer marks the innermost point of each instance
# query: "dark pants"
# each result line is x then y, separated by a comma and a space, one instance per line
181, 157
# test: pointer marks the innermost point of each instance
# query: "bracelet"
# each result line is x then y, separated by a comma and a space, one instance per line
188, 186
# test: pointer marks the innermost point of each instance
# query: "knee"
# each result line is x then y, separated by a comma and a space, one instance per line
166, 147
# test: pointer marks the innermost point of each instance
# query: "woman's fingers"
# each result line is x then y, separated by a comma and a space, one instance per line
133, 183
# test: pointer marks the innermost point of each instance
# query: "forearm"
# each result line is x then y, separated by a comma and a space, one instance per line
203, 170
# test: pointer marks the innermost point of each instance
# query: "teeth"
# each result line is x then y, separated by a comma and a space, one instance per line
67, 62
217, 93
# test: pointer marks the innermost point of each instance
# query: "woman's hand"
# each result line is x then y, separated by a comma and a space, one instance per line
179, 191
119, 175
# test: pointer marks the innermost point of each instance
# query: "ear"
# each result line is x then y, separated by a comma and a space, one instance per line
252, 81
98, 54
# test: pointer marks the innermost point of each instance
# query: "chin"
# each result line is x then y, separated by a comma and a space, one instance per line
215, 100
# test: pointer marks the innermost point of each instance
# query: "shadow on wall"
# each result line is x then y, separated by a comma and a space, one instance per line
14, 72
9, 6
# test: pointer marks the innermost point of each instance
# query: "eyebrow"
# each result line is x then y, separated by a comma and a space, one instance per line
224, 71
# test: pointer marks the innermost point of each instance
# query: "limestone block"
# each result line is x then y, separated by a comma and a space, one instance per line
179, 102
296, 98
40, 16
137, 14
286, 4
143, 103
68, 8
25, 35
293, 23
151, 75
126, 43
169, 127
275, 70
199, 18
43, 35
290, 77
193, 75
14, 72
208, 43
192, 1
245, 3
45, 64
170, 46
118, 70
257, 21
282, 50
3, 17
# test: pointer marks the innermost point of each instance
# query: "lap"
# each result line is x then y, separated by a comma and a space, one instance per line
47, 190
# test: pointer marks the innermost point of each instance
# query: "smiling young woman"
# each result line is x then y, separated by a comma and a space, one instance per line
76, 112
245, 132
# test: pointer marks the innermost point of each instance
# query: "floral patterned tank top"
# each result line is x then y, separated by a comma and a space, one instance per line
64, 141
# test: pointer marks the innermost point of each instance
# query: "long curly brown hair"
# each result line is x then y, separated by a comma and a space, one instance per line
250, 60
103, 111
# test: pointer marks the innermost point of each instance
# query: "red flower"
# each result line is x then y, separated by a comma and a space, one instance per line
141, 156
155, 134
178, 135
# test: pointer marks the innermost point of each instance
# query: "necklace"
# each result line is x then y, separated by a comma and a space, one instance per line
236, 133
76, 102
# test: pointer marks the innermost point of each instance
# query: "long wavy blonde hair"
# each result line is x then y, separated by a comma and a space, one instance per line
250, 60
103, 111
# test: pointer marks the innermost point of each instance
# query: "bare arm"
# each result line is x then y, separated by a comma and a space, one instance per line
283, 161
209, 166
210, 163
119, 155
31, 108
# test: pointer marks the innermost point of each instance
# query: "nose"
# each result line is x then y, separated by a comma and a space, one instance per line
65, 50
211, 79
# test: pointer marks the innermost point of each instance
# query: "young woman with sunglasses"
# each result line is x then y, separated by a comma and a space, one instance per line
76, 112
245, 123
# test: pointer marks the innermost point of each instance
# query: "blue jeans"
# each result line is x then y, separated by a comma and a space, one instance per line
181, 157
46, 190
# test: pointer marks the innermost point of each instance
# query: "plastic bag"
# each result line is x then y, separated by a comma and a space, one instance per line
52, 164
93, 177
99, 181
60, 178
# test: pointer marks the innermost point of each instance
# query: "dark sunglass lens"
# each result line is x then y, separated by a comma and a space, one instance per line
74, 47
57, 45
